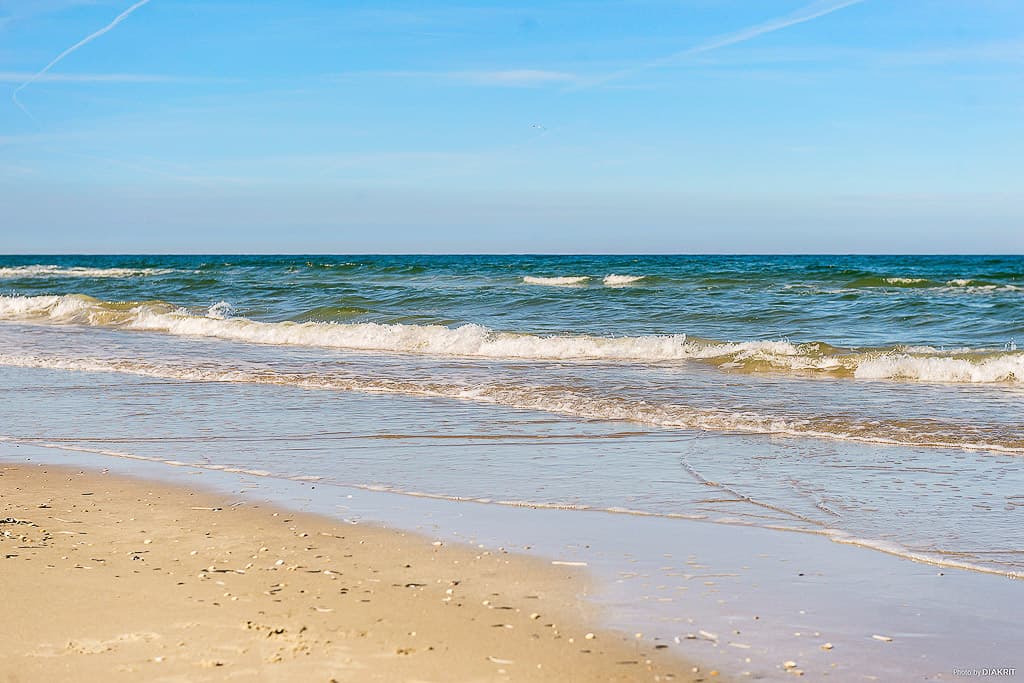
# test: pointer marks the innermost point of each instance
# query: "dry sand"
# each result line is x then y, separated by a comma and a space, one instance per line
106, 578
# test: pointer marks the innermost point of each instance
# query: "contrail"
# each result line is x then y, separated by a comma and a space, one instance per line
804, 14
84, 41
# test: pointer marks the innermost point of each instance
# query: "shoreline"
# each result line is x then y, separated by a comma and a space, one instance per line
835, 536
114, 577
763, 598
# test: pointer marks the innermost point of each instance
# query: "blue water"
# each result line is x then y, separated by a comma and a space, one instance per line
876, 399
846, 301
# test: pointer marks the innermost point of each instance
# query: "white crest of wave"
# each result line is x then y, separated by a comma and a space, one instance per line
568, 281
561, 400
476, 341
467, 340
905, 280
1008, 367
51, 271
963, 284
614, 280
220, 310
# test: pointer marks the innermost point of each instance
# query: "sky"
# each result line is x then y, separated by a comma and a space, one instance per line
663, 126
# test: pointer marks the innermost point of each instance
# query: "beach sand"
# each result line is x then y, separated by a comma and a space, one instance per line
112, 578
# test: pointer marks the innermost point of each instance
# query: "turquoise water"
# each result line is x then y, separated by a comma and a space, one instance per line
876, 400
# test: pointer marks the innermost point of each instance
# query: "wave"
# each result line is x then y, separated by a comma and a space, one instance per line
1006, 367
614, 280
476, 341
964, 284
569, 281
574, 402
221, 310
957, 284
311, 265
869, 281
328, 313
51, 271
468, 340
611, 280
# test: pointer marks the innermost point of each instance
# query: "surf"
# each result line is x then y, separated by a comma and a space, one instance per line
477, 341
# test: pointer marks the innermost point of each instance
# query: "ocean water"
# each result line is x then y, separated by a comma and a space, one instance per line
874, 400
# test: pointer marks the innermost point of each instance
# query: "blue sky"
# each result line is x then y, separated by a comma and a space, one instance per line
622, 125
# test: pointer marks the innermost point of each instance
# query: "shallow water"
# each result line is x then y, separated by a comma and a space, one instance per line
737, 598
874, 400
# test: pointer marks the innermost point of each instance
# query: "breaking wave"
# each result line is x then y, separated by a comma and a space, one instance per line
614, 280
42, 271
958, 284
574, 402
568, 281
476, 341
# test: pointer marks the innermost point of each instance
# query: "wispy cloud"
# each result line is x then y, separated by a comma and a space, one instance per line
514, 77
800, 16
997, 52
20, 76
83, 42
502, 78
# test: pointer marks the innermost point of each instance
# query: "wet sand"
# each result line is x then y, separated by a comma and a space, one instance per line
113, 578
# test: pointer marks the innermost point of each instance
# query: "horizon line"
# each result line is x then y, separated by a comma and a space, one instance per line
510, 253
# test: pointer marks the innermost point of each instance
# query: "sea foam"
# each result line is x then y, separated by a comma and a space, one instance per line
567, 281
614, 280
1006, 367
471, 340
575, 402
53, 271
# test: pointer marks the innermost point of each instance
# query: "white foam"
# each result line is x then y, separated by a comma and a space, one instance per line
971, 286
52, 271
219, 311
467, 340
568, 281
906, 280
925, 557
559, 400
1007, 367
477, 341
614, 280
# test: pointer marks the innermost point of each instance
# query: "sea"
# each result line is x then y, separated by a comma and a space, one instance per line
877, 401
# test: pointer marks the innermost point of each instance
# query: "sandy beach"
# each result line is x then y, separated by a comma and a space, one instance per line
113, 578
445, 341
